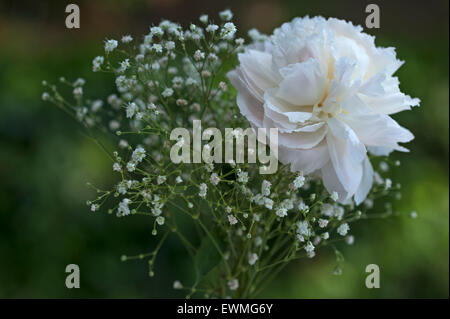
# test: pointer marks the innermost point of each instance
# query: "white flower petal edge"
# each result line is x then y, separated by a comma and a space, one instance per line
329, 90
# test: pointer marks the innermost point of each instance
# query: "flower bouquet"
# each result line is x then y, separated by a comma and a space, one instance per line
252, 154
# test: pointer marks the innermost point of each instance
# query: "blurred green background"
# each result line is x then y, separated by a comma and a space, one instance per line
45, 161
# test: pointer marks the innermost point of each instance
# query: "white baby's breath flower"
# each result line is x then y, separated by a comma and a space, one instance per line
387, 183
157, 31
265, 188
242, 177
368, 203
222, 86
204, 18
268, 203
110, 45
299, 181
131, 166
127, 38
79, 82
343, 229
281, 212
206, 73
323, 223
255, 35
170, 45
228, 31
78, 91
309, 247
160, 220
252, 258
97, 63
334, 196
138, 154
384, 166
239, 41
209, 167
329, 90
190, 81
167, 92
96, 105
350, 240
156, 47
177, 285
117, 167
199, 55
160, 179
212, 28
232, 220
45, 96
303, 228
123, 209
214, 179
302, 206
181, 102
233, 284
124, 65
226, 15
203, 188
123, 144
131, 109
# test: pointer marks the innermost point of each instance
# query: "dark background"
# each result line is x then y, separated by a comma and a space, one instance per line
45, 161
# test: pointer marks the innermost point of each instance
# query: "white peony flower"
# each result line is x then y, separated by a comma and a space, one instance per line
329, 90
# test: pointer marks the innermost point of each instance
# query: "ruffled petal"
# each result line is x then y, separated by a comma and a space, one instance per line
378, 130
366, 182
306, 161
346, 153
248, 104
303, 83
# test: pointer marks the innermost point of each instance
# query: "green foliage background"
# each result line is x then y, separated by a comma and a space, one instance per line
45, 161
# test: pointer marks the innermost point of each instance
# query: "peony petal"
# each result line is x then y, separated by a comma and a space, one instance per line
257, 70
332, 182
303, 83
366, 182
281, 110
378, 130
385, 151
393, 101
306, 161
248, 104
347, 154
373, 86
355, 52
302, 139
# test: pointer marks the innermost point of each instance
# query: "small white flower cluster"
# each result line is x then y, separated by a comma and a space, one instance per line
123, 209
203, 189
137, 157
299, 181
110, 45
